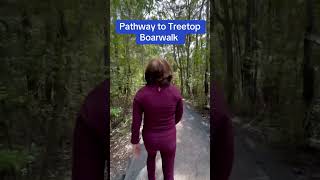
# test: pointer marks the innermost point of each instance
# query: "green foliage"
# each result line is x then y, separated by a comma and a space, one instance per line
267, 42
51, 57
115, 112
13, 160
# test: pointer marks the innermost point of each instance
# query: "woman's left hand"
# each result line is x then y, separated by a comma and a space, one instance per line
136, 150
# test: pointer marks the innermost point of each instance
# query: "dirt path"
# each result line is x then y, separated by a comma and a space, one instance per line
254, 161
192, 154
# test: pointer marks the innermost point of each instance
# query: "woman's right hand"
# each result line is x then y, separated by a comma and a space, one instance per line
136, 150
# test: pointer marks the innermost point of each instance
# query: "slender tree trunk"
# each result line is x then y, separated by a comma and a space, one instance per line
180, 71
59, 99
188, 43
229, 53
128, 68
237, 49
308, 71
207, 57
188, 86
250, 63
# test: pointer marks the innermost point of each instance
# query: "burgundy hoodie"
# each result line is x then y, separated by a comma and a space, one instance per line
162, 109
222, 138
91, 136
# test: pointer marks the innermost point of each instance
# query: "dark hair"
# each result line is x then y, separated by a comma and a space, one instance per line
158, 72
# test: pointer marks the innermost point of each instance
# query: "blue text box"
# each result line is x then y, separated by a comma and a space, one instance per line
160, 31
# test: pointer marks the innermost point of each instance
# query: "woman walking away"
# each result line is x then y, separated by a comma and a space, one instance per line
161, 105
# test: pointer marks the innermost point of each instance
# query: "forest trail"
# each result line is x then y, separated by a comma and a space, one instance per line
251, 162
254, 161
192, 154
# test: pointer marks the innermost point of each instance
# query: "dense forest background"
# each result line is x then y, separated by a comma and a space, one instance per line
267, 58
51, 56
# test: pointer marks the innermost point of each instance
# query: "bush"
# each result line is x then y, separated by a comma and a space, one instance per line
11, 162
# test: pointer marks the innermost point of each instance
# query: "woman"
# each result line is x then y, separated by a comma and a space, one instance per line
223, 137
90, 136
161, 104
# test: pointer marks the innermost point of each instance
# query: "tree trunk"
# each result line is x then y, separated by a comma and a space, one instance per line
188, 86
207, 57
229, 52
249, 64
237, 49
308, 71
188, 43
180, 71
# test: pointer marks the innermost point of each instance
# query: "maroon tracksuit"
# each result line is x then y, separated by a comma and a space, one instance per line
91, 136
162, 109
222, 138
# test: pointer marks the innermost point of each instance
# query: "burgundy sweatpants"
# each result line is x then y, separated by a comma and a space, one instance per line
165, 142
